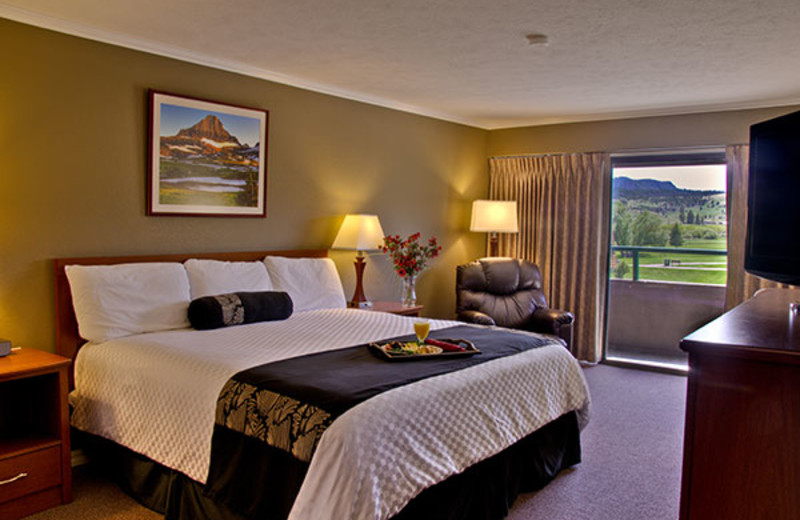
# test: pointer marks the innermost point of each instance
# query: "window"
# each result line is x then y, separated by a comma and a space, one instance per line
669, 219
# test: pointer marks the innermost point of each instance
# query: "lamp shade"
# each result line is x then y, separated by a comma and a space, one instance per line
359, 232
498, 216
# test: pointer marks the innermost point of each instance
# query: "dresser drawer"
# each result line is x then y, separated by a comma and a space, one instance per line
29, 473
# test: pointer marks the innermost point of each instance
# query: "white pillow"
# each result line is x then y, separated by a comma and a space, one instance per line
312, 283
112, 301
212, 277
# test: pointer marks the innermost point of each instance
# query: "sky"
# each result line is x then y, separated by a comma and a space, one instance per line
175, 118
701, 177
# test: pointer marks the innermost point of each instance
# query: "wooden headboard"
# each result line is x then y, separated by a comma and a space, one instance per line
68, 341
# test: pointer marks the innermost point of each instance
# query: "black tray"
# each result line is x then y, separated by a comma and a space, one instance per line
469, 350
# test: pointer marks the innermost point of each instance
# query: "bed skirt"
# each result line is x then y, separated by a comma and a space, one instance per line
484, 491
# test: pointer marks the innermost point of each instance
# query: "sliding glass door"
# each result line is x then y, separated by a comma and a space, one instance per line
668, 253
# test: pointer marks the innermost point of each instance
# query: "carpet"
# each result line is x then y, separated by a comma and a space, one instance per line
632, 453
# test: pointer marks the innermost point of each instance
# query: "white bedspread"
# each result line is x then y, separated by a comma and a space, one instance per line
156, 394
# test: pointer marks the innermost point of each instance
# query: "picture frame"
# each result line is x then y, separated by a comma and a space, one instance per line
206, 158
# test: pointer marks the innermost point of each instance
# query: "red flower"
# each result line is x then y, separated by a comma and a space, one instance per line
408, 256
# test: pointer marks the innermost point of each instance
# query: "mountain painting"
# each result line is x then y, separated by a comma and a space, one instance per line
206, 158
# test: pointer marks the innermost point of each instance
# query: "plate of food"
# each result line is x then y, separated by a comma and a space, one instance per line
431, 348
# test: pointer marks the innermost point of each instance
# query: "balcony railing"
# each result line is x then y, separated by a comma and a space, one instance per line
685, 289
635, 252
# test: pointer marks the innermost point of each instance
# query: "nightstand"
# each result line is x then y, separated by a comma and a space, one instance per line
396, 308
35, 472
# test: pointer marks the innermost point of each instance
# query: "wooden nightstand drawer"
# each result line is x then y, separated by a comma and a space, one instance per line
30, 472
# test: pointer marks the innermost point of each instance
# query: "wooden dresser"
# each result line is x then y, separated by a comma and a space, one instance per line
35, 471
742, 439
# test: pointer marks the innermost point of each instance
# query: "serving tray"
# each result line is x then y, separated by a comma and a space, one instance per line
469, 350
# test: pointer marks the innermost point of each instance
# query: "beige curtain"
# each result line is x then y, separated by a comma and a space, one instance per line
563, 202
741, 285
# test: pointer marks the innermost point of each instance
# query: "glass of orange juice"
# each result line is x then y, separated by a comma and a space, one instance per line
421, 329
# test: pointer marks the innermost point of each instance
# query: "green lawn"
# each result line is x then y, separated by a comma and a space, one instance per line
684, 267
683, 275
719, 243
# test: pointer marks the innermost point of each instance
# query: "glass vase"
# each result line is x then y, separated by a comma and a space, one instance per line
409, 290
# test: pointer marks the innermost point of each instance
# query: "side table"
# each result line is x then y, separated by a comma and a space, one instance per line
35, 471
397, 308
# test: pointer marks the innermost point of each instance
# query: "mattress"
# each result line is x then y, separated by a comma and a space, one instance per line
156, 394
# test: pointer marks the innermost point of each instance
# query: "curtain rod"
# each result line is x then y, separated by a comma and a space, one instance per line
549, 154
631, 151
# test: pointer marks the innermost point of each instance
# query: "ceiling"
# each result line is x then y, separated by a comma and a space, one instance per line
469, 61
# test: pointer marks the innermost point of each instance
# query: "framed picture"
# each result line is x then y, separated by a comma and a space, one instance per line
206, 158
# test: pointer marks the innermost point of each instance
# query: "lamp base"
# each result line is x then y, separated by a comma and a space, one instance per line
360, 305
359, 301
493, 246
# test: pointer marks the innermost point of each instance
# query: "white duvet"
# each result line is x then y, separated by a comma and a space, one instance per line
156, 394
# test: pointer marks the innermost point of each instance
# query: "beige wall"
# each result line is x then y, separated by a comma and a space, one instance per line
707, 129
73, 116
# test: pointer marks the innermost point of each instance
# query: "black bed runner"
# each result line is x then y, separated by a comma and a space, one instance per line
337, 380
275, 414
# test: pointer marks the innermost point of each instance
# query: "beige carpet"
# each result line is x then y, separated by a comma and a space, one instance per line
96, 499
632, 453
630, 470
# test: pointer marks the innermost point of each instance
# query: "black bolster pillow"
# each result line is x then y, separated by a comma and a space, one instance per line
224, 310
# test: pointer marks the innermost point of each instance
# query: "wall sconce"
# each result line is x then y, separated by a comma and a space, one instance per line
362, 233
494, 216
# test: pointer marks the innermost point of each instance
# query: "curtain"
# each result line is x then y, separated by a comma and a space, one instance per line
564, 205
741, 285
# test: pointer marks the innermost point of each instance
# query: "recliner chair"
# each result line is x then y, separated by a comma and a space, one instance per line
508, 292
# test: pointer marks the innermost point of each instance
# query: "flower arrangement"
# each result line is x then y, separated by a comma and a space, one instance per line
409, 256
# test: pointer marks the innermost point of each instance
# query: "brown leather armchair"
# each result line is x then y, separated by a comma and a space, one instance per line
508, 292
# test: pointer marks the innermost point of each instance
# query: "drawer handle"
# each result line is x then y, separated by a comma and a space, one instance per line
13, 479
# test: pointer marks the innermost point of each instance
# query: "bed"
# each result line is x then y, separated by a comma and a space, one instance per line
458, 444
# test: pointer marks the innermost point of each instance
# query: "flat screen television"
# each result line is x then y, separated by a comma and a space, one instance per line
772, 249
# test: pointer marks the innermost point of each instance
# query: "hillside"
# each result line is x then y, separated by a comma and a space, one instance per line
627, 188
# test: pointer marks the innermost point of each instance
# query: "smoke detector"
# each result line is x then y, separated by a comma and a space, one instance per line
537, 39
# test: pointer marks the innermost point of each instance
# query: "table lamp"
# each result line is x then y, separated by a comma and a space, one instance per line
494, 216
362, 233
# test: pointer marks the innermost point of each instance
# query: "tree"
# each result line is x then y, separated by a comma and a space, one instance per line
647, 230
690, 217
675, 236
621, 270
682, 216
622, 226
